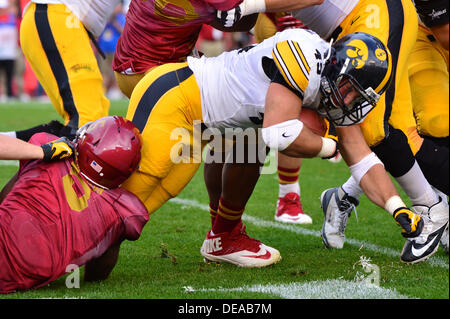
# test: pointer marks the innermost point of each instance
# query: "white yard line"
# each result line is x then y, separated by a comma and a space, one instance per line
328, 289
433, 261
9, 163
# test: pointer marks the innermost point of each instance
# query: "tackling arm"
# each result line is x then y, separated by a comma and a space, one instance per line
15, 149
100, 268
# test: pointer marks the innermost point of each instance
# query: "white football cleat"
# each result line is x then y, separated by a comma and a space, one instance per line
337, 206
239, 249
422, 247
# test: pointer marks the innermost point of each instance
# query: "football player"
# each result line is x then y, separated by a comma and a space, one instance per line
70, 212
55, 36
275, 78
390, 130
156, 33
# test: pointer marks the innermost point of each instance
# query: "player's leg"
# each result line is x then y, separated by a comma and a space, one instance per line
289, 207
227, 241
58, 48
429, 80
164, 113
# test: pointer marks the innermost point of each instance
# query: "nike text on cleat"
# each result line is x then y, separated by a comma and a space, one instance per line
422, 247
336, 206
289, 210
239, 249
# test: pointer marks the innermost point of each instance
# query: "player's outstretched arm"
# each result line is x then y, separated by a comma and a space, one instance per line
369, 172
99, 269
15, 149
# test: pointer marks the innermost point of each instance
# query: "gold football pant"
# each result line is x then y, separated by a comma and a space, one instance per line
165, 105
428, 74
58, 48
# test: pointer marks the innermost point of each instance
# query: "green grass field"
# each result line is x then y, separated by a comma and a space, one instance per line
165, 263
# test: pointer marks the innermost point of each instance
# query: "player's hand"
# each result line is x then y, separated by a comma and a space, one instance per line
230, 17
58, 149
336, 150
410, 222
289, 22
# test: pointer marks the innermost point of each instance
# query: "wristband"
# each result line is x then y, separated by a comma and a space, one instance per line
252, 6
394, 203
328, 148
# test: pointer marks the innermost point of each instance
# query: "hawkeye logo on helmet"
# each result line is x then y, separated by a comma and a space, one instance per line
358, 53
381, 54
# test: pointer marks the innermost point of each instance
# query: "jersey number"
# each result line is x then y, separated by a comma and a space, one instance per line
77, 193
171, 11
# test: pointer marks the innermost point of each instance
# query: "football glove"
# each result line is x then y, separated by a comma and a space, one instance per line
58, 149
289, 22
230, 17
410, 222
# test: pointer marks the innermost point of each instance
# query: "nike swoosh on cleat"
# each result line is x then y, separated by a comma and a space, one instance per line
284, 135
267, 255
422, 248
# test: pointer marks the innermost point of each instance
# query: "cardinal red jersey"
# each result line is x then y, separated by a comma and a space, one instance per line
53, 218
161, 31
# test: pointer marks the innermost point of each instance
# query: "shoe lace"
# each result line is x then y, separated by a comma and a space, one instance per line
293, 201
345, 209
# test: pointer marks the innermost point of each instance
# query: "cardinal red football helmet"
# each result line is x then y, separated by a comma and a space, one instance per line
108, 150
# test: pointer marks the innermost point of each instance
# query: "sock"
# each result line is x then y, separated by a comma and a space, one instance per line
352, 188
285, 189
288, 181
212, 212
417, 187
227, 217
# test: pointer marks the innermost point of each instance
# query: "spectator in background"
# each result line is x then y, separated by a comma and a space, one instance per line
8, 46
107, 43
211, 42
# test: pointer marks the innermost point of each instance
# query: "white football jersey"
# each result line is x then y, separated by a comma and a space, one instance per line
326, 17
233, 86
93, 13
